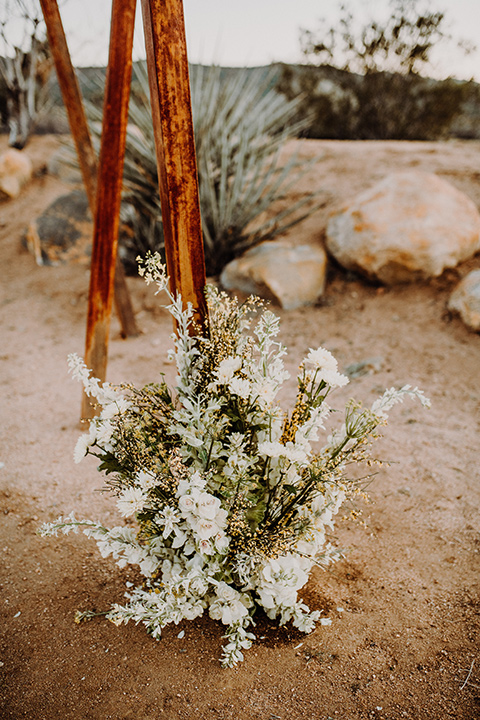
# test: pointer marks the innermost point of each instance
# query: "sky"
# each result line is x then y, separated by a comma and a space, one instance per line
259, 32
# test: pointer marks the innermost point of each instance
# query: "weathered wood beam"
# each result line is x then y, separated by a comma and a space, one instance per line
109, 189
175, 148
72, 99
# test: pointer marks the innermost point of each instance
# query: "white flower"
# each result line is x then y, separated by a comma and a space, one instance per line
226, 593
266, 391
229, 605
168, 517
205, 529
303, 620
279, 582
196, 583
290, 451
104, 432
227, 368
104, 547
196, 480
134, 554
321, 359
222, 542
308, 432
295, 454
236, 442
393, 396
271, 449
81, 447
324, 362
207, 506
240, 387
117, 406
84, 441
334, 378
130, 501
179, 539
149, 565
187, 505
205, 547
146, 480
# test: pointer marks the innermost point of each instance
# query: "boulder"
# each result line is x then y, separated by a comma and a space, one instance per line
15, 171
465, 300
63, 232
411, 225
291, 276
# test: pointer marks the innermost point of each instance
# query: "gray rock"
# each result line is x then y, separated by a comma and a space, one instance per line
291, 276
411, 225
465, 300
364, 367
63, 232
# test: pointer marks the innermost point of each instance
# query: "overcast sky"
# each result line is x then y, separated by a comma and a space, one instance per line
258, 32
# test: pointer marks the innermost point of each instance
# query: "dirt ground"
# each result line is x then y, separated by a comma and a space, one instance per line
403, 643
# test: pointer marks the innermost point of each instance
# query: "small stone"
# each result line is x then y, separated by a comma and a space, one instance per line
465, 300
365, 367
15, 172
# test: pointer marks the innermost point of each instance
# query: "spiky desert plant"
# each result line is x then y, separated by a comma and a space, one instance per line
241, 125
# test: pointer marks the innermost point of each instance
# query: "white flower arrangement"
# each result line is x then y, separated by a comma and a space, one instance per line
231, 498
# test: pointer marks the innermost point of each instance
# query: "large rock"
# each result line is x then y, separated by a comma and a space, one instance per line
15, 172
465, 300
289, 276
411, 225
63, 232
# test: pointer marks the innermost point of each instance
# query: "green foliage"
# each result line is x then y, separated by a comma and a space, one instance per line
377, 106
241, 125
372, 89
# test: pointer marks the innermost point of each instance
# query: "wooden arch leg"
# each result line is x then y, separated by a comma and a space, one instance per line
109, 188
72, 100
177, 167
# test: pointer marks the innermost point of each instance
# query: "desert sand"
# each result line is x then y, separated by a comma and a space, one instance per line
403, 643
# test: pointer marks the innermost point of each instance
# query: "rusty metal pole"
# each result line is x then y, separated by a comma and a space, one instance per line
109, 188
72, 100
175, 147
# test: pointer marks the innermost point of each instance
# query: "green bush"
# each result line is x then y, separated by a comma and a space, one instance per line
375, 106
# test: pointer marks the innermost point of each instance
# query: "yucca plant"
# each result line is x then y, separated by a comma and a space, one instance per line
241, 125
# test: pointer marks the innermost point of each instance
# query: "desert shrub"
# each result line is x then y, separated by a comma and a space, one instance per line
241, 124
377, 106
328, 97
371, 87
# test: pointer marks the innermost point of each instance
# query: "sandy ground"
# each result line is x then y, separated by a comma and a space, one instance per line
404, 602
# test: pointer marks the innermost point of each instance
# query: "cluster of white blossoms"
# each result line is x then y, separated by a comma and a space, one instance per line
228, 500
